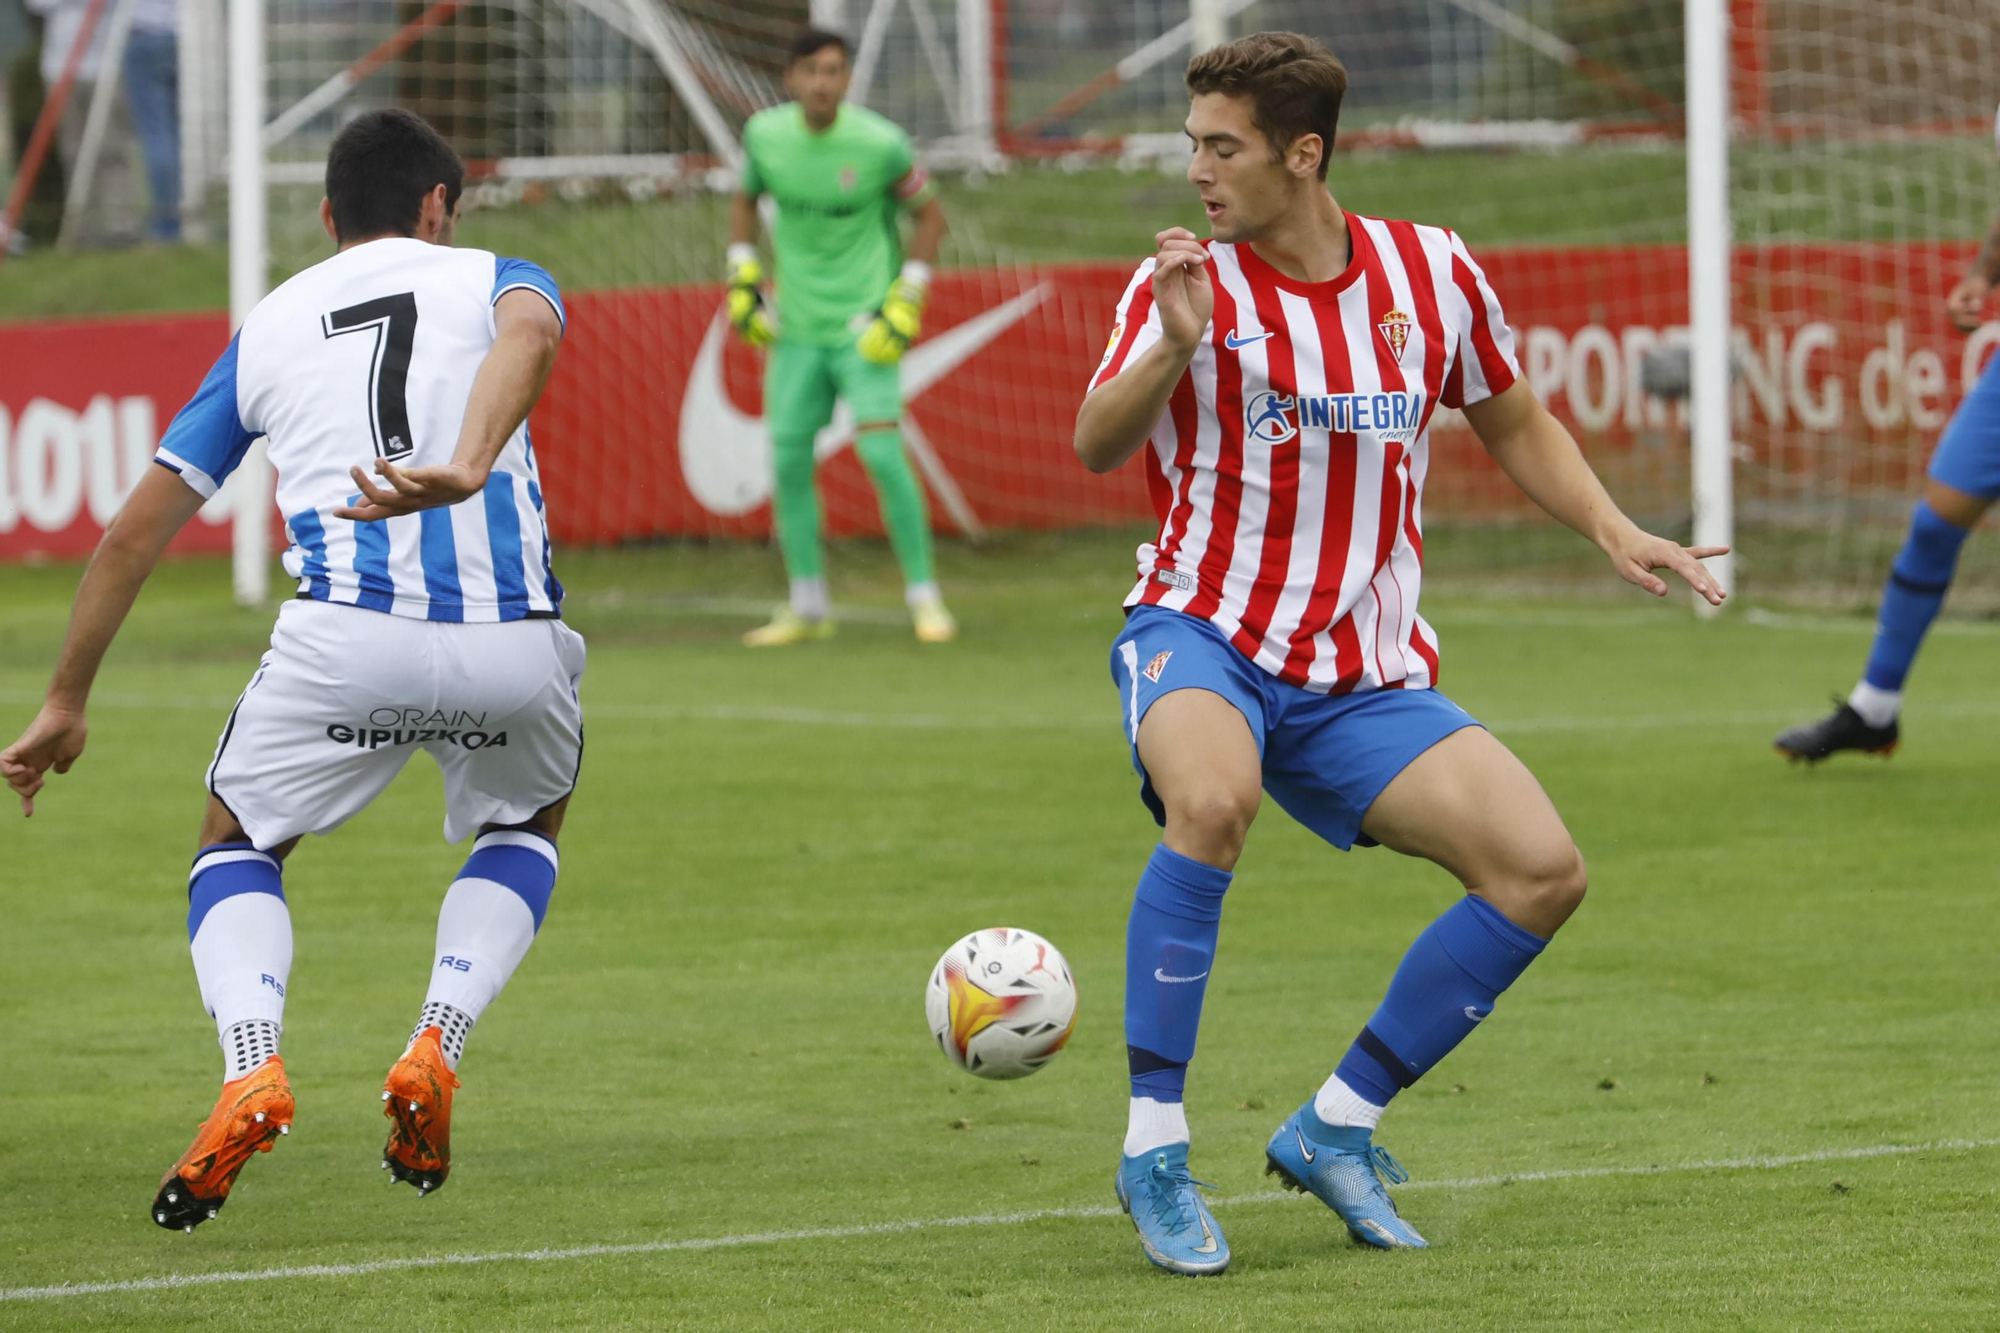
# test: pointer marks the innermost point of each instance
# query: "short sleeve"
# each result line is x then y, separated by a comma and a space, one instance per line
208, 438
512, 274
1136, 327
1485, 365
908, 182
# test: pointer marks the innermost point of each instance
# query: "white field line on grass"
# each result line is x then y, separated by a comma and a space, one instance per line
175, 1281
1004, 721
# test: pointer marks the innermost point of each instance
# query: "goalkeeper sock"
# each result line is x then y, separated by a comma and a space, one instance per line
904, 512
1910, 602
795, 507
240, 935
1445, 985
809, 599
488, 920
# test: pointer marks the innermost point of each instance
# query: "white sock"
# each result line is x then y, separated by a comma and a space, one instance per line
922, 594
247, 1045
453, 1024
1878, 708
809, 598
242, 951
1338, 1104
1152, 1124
483, 932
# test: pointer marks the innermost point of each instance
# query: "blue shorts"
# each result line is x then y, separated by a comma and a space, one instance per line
1326, 757
1968, 455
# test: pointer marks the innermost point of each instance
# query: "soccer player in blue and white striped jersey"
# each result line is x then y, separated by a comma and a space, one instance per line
393, 383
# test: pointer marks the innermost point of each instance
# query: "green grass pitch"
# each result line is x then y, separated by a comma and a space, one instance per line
720, 1033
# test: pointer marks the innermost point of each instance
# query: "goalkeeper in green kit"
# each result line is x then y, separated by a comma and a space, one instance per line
848, 305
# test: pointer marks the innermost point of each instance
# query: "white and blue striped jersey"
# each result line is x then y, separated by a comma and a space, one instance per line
372, 354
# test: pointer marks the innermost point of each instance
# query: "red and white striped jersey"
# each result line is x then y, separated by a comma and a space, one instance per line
1288, 468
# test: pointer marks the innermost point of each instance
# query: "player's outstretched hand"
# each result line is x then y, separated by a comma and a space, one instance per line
53, 740
1182, 292
1637, 554
409, 490
1967, 303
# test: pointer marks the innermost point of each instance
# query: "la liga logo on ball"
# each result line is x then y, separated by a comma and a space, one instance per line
1001, 1003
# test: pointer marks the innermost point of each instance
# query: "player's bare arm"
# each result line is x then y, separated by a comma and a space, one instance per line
927, 228
504, 391
742, 219
1118, 415
1537, 452
160, 506
1967, 303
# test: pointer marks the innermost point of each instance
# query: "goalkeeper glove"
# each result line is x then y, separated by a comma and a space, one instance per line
747, 312
895, 324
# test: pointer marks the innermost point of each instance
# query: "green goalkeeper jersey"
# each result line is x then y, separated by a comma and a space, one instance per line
837, 192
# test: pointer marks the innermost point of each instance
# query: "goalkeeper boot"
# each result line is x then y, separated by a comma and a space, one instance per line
1843, 729
1344, 1170
248, 1118
933, 623
417, 1100
786, 628
1176, 1230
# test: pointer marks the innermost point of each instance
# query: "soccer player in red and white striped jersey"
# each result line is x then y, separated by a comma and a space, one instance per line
1281, 380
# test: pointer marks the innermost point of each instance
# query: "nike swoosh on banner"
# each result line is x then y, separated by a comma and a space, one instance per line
725, 456
1159, 975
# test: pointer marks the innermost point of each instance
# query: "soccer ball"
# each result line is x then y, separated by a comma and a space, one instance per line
1001, 1003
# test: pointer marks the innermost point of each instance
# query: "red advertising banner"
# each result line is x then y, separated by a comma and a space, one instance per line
82, 405
652, 426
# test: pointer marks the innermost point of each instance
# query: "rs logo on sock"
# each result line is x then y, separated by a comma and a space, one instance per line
456, 964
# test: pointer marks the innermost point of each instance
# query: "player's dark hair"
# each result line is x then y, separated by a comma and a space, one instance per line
812, 41
379, 170
1294, 84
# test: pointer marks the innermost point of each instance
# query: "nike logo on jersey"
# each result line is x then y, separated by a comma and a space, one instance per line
1474, 1014
725, 454
1233, 343
1159, 974
1305, 1149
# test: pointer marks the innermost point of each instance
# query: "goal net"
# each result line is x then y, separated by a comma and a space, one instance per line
602, 137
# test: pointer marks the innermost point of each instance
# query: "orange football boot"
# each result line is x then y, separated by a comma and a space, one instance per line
248, 1118
418, 1102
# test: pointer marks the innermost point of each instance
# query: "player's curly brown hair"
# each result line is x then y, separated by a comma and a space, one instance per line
1294, 84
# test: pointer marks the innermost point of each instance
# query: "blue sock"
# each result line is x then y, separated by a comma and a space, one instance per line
1445, 985
1169, 948
1910, 600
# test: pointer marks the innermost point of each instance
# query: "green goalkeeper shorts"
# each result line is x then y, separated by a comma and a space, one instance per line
802, 379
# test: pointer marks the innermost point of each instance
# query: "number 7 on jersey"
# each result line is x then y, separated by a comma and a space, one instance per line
388, 367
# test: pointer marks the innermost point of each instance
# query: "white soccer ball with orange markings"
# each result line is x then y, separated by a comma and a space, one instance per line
1001, 1002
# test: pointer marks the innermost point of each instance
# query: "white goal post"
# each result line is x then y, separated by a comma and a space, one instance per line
1709, 287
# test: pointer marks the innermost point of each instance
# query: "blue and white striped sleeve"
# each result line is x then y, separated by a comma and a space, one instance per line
207, 438
510, 274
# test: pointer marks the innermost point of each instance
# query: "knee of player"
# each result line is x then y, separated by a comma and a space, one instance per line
1217, 814
879, 444
1557, 880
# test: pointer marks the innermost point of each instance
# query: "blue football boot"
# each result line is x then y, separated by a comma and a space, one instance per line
1339, 1166
1175, 1227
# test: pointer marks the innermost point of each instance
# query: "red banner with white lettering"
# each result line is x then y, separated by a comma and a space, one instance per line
652, 425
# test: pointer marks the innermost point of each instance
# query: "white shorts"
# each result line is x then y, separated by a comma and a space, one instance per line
345, 696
